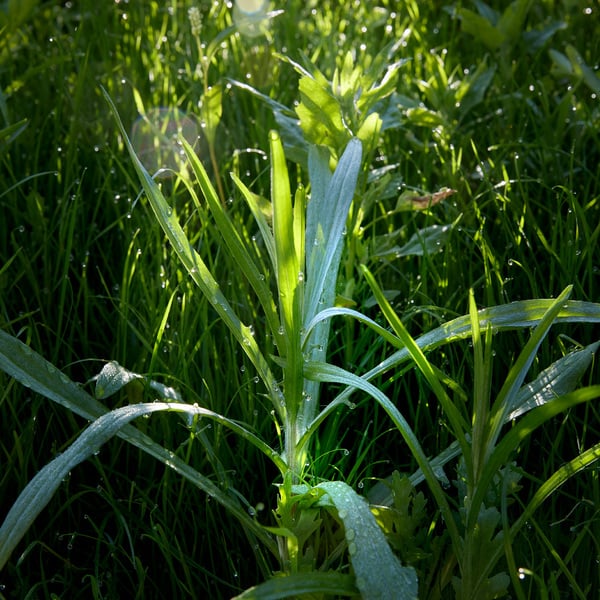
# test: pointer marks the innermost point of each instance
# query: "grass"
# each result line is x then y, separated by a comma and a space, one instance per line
87, 276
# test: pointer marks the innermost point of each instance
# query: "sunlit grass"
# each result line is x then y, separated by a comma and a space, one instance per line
86, 277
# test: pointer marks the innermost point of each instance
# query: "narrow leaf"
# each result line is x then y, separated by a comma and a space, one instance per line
558, 379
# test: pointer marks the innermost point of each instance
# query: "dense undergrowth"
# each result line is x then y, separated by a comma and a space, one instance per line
503, 110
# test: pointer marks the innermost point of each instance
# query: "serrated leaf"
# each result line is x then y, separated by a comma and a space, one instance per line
482, 544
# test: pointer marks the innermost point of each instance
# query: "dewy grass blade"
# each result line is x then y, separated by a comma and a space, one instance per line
379, 573
559, 378
41, 488
457, 422
37, 374
505, 317
329, 222
259, 217
233, 240
481, 393
288, 263
327, 373
516, 376
197, 269
513, 438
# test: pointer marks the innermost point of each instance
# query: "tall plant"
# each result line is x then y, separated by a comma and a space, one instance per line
303, 236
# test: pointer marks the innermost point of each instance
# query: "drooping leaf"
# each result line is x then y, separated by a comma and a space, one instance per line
34, 372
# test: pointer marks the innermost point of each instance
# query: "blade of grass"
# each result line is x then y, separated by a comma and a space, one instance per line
325, 372
233, 240
198, 270
37, 374
457, 422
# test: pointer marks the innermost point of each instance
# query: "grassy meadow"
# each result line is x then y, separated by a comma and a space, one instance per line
464, 143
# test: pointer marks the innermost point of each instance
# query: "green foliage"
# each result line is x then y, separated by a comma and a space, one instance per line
294, 409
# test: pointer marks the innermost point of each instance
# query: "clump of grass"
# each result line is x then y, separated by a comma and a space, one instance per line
86, 277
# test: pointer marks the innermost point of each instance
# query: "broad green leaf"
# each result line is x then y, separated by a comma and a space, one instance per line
114, 377
582, 70
345, 82
535, 39
327, 211
428, 240
288, 586
424, 117
379, 574
472, 91
480, 28
561, 65
326, 222
511, 23
514, 315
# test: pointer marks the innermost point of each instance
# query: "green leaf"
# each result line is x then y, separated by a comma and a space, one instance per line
582, 70
197, 269
232, 238
41, 488
326, 221
482, 544
331, 583
379, 574
428, 240
518, 371
480, 28
512, 21
112, 378
512, 439
211, 111
34, 372
558, 379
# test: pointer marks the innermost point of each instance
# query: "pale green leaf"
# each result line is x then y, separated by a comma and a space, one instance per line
558, 379
379, 573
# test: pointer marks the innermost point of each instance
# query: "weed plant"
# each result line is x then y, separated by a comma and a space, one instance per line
400, 392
